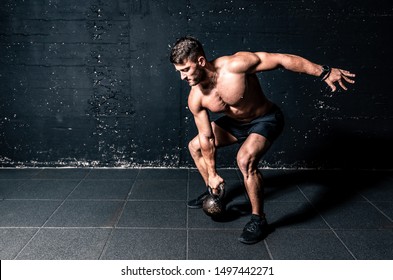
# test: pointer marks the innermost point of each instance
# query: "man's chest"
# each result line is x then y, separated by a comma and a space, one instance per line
229, 90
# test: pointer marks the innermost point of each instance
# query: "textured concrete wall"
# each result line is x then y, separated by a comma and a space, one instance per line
88, 83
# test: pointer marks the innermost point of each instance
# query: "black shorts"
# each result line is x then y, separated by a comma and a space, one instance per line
269, 125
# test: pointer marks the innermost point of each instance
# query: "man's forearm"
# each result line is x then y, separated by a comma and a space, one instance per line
208, 150
301, 65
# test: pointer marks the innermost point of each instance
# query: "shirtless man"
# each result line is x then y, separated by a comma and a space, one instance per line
229, 85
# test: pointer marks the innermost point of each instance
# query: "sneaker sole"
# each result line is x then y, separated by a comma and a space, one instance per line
194, 206
249, 242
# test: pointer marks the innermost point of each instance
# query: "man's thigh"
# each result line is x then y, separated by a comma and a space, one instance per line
222, 137
255, 146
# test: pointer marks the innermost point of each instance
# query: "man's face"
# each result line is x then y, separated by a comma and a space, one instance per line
191, 72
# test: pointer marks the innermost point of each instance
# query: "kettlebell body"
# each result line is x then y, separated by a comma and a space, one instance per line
213, 203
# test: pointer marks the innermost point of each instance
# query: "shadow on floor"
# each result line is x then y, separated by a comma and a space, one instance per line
323, 190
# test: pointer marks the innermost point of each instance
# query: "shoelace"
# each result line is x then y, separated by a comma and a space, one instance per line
251, 226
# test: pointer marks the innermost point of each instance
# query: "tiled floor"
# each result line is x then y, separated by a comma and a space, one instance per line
142, 214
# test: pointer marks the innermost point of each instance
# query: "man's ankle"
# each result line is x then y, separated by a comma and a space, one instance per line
259, 217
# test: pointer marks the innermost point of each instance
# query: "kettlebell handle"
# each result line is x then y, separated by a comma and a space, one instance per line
220, 195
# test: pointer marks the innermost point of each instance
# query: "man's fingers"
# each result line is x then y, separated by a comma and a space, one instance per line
348, 80
331, 85
347, 73
340, 82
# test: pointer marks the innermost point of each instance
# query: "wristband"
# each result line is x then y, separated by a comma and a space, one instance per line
325, 72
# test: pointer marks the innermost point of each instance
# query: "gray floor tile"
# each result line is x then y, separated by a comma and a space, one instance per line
197, 181
62, 173
150, 189
386, 208
112, 174
7, 186
12, 240
291, 244
26, 213
157, 214
147, 244
195, 175
299, 215
273, 173
356, 215
326, 196
163, 174
85, 213
102, 189
66, 244
17, 173
381, 190
234, 190
222, 245
42, 189
301, 205
226, 174
197, 219
229, 174
369, 244
195, 188
286, 194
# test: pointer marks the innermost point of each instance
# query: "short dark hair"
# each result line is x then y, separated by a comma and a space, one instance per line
185, 48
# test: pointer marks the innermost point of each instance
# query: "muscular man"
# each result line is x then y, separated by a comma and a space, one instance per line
229, 85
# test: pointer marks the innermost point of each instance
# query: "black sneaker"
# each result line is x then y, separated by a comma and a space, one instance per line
197, 202
255, 230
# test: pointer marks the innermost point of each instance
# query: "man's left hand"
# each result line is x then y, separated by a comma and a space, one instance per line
339, 75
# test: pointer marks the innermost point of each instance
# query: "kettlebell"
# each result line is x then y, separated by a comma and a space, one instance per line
213, 204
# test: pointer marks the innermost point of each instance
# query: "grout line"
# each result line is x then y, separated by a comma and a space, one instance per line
268, 249
376, 207
78, 227
209, 229
46, 179
105, 248
93, 199
31, 238
36, 174
326, 222
120, 212
43, 225
187, 215
152, 228
338, 237
62, 199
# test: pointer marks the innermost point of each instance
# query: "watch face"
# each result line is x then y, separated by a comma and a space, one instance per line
325, 68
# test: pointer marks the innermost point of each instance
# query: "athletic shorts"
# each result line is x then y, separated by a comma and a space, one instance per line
269, 125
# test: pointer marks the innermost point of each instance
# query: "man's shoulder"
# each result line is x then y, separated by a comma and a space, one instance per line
234, 56
237, 62
195, 99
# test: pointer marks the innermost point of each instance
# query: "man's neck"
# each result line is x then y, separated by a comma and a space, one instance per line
210, 80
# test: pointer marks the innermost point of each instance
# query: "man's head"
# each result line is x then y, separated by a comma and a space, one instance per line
186, 48
188, 57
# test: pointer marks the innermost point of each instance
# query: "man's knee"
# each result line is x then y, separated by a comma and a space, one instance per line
246, 163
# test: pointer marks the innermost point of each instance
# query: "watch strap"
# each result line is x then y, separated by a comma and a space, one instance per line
325, 72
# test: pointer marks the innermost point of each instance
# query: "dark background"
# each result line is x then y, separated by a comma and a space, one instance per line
89, 83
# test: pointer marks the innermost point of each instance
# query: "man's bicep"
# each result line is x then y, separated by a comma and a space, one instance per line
253, 62
269, 61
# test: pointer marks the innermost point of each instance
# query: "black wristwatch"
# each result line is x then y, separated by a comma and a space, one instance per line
325, 72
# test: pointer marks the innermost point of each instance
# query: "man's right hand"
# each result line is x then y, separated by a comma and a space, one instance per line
214, 183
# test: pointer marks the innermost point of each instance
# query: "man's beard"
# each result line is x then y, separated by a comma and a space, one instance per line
200, 75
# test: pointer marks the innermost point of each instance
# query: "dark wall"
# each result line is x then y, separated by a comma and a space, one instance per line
88, 83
